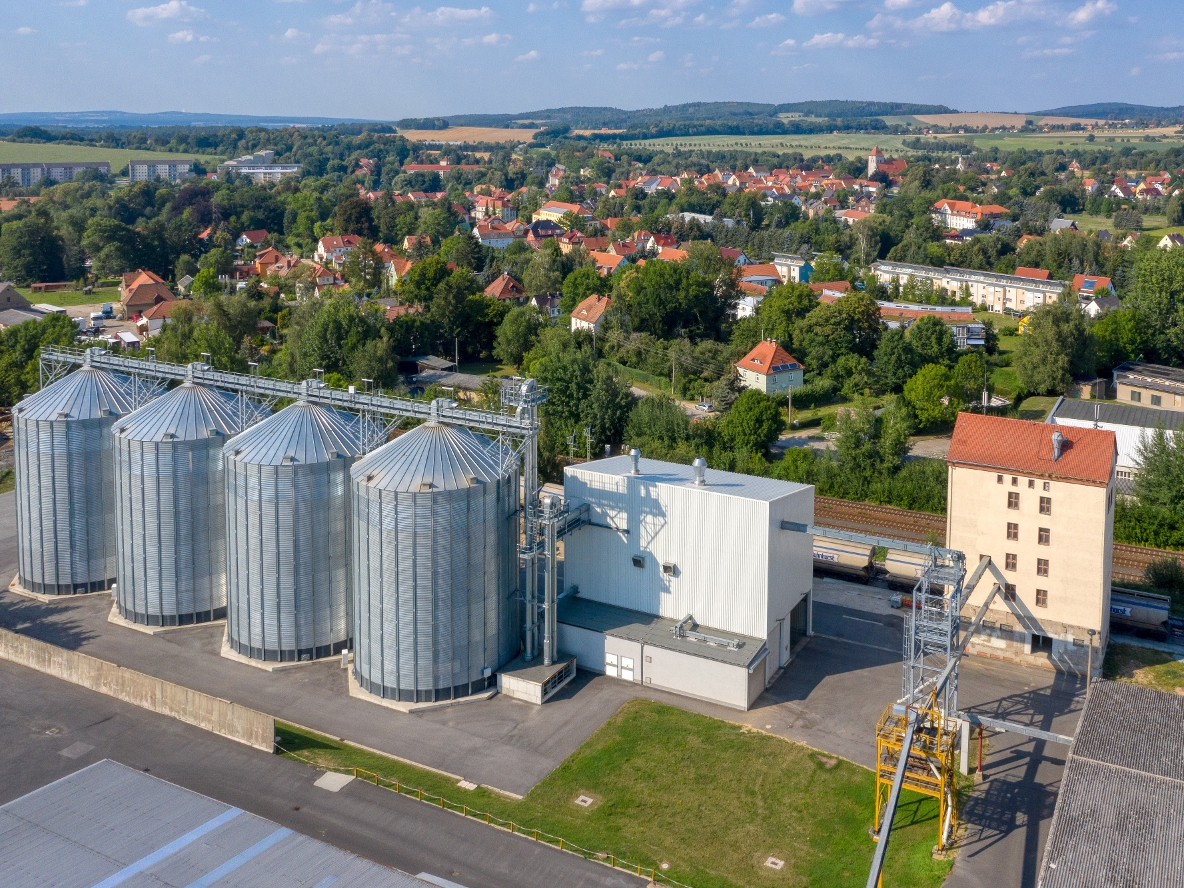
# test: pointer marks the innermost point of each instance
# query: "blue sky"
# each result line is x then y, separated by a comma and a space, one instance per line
385, 60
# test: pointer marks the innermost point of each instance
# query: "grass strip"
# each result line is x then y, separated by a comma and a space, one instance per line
711, 799
1144, 666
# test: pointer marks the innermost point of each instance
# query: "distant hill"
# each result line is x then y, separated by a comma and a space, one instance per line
843, 108
1117, 111
128, 120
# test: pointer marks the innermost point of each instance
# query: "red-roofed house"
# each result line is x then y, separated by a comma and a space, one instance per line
962, 214
1036, 274
251, 238
333, 248
1086, 285
506, 288
1038, 498
158, 315
554, 210
770, 369
589, 313
606, 263
833, 289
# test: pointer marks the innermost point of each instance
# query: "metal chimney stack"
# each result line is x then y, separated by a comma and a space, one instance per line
1057, 441
700, 467
635, 455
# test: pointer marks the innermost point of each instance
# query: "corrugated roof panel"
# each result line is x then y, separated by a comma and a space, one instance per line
1119, 414
444, 456
86, 393
189, 413
302, 433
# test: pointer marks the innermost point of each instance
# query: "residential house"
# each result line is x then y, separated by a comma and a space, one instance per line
792, 269
170, 170
410, 241
11, 299
1061, 225
762, 274
770, 369
962, 214
507, 289
1035, 274
486, 207
332, 249
142, 296
836, 289
1151, 385
589, 313
153, 319
184, 282
606, 263
495, 235
1086, 286
251, 238
1168, 241
548, 304
736, 257
999, 292
671, 254
541, 229
623, 248
554, 210
967, 331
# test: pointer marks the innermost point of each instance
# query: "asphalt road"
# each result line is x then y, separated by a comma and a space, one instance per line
50, 728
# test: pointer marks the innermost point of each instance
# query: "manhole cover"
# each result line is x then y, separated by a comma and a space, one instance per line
585, 801
774, 863
664, 865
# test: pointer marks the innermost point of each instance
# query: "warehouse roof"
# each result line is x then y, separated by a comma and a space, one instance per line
1117, 414
1023, 447
110, 825
657, 472
1119, 818
620, 622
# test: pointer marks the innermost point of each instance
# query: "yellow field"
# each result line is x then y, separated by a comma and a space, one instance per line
470, 134
848, 144
34, 152
993, 119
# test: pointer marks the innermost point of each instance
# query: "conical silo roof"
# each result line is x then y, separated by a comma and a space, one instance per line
87, 393
446, 457
190, 412
302, 433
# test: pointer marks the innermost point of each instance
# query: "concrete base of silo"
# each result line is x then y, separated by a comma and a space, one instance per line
16, 588
117, 619
534, 682
356, 690
266, 665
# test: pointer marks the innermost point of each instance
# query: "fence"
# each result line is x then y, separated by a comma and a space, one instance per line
463, 810
156, 695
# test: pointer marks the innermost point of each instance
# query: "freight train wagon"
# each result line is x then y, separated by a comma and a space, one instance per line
843, 557
1141, 613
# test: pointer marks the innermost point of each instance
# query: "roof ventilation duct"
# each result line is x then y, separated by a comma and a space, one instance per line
700, 467
1058, 441
635, 455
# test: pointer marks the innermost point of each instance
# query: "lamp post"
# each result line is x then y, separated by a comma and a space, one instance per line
1089, 661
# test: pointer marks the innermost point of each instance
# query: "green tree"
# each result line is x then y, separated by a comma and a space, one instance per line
31, 250
545, 272
933, 341
419, 284
578, 286
929, 393
1158, 296
218, 259
656, 421
969, 378
828, 267
467, 253
782, 308
20, 349
362, 267
1160, 481
517, 334
1056, 348
753, 423
1119, 335
607, 407
354, 216
896, 360
206, 283
1175, 210
449, 310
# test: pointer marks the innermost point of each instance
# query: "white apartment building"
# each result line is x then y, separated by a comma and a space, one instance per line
998, 292
792, 269
259, 167
168, 170
25, 174
1039, 499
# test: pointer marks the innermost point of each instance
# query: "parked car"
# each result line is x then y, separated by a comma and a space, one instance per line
705, 407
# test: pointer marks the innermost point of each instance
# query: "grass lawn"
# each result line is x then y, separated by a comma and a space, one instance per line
484, 368
1143, 666
7, 481
31, 152
712, 799
813, 417
1036, 407
1052, 140
67, 298
849, 144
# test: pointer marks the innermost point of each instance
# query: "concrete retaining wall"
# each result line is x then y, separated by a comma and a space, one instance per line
156, 695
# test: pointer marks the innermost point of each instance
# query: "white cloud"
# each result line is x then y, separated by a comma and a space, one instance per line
173, 10
593, 52
74, 3
445, 15
185, 36
294, 34
657, 56
628, 66
1046, 53
786, 47
368, 13
533, 56
767, 21
831, 39
814, 7
948, 17
202, 59
494, 39
1083, 15
533, 7
899, 4
1135, 72
25, 31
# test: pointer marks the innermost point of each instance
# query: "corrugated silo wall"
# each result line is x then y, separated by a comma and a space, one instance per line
65, 505
171, 525
287, 559
435, 581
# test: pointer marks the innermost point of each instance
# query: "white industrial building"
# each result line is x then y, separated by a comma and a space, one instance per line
685, 579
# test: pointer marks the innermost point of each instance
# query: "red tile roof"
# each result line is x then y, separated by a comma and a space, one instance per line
1081, 283
505, 287
591, 309
1000, 444
1037, 274
768, 357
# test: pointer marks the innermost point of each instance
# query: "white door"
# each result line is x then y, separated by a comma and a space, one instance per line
610, 665
627, 668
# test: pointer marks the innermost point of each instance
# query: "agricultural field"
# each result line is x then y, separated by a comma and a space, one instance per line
469, 135
1156, 226
28, 152
702, 801
848, 144
996, 118
1167, 137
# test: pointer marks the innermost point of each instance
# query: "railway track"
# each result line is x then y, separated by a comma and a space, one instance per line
1129, 562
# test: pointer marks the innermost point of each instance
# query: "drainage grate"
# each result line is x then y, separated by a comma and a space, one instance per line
584, 801
774, 863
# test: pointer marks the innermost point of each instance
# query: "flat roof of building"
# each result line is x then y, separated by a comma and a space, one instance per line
676, 474
620, 622
1119, 817
1172, 378
1118, 414
109, 824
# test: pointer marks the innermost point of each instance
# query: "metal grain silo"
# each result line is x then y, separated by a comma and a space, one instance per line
287, 497
65, 489
170, 497
435, 530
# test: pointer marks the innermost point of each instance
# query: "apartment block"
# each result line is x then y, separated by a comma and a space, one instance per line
998, 292
168, 170
25, 174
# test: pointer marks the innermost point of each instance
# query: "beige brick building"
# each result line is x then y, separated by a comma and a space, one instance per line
1043, 509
